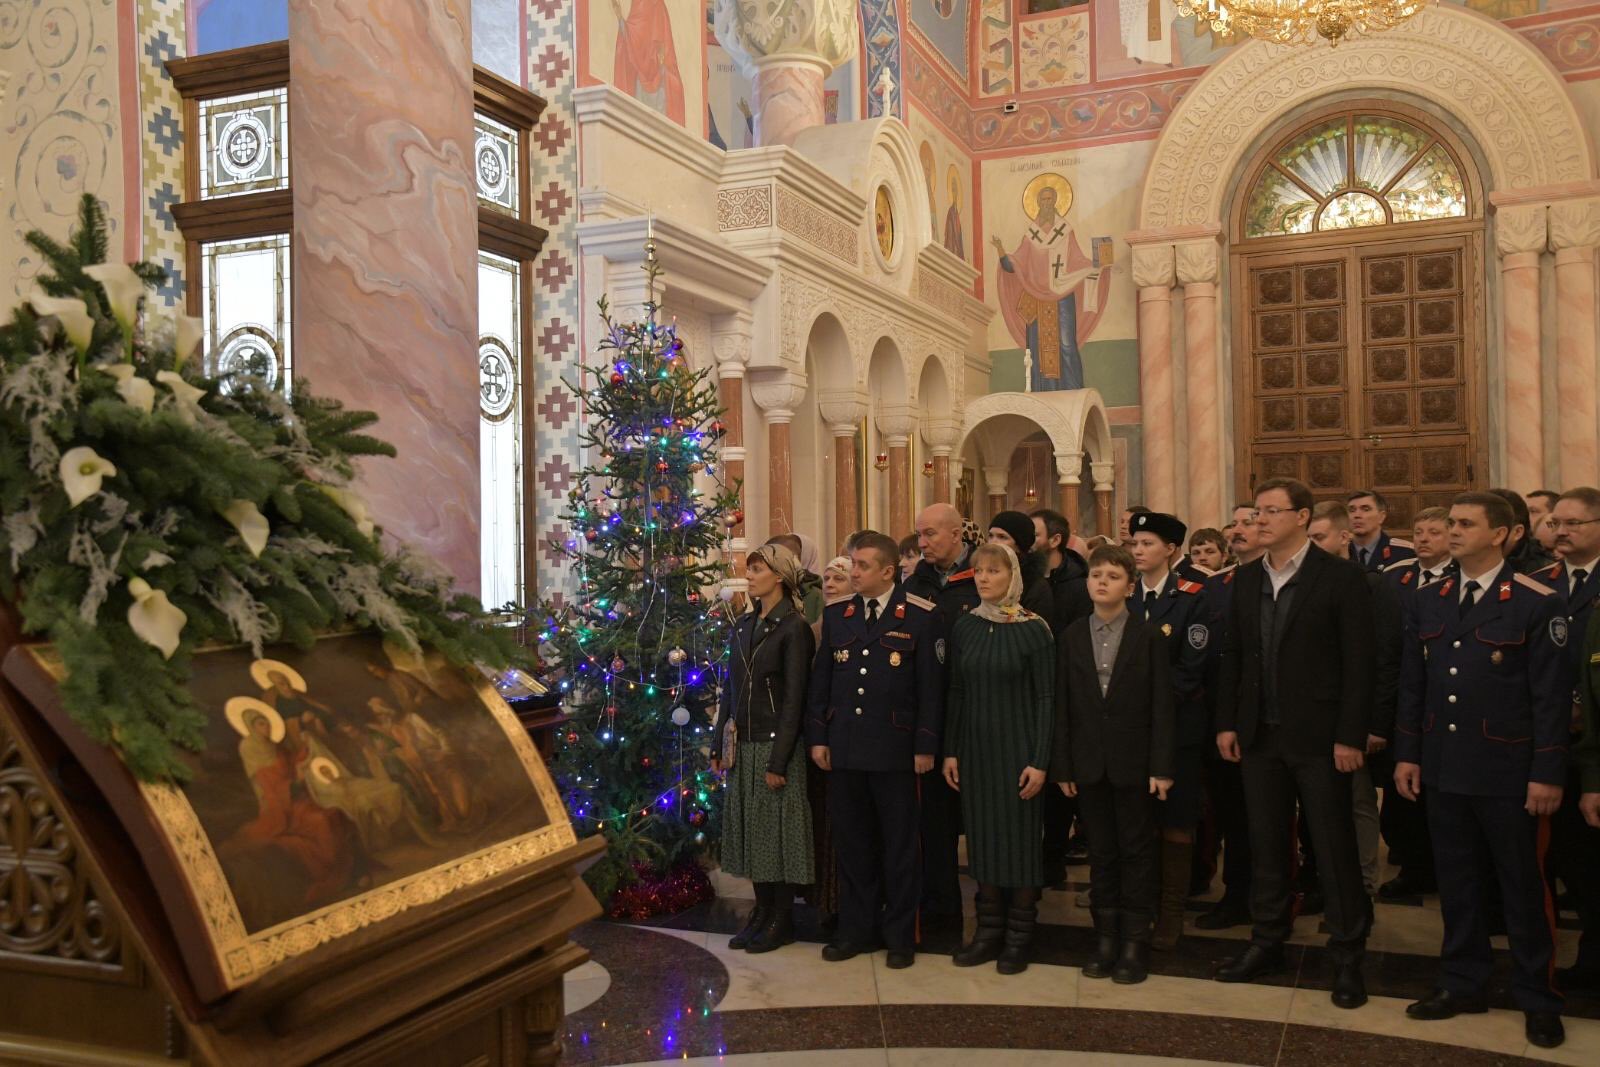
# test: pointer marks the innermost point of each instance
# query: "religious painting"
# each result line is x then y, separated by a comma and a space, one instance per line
1135, 37
1053, 52
644, 53
1051, 292
337, 786
953, 239
943, 23
883, 222
930, 168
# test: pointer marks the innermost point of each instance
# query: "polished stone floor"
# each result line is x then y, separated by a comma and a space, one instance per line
674, 991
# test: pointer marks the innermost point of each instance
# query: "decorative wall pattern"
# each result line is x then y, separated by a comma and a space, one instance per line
161, 37
1083, 117
1054, 52
556, 353
997, 61
59, 120
880, 31
1571, 47
943, 23
810, 223
743, 209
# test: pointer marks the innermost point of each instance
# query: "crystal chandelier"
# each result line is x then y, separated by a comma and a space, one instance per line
1296, 21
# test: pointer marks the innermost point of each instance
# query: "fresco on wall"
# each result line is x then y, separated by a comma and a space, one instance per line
947, 172
1135, 37
649, 49
730, 95
930, 168
996, 58
953, 239
944, 24
1053, 52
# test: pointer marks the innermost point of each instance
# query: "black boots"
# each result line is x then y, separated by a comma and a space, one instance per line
1107, 945
1020, 918
778, 930
1133, 966
990, 933
759, 915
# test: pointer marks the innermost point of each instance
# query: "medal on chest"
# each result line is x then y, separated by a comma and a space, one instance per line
1497, 657
841, 655
894, 659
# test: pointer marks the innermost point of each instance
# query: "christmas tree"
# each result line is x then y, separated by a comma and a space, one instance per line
640, 652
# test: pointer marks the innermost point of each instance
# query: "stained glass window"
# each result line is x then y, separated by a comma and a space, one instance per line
500, 428
1356, 170
494, 156
244, 143
245, 309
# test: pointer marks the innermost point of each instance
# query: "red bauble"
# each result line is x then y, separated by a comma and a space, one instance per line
694, 598
718, 428
590, 535
616, 377
572, 738
697, 817
645, 762
661, 466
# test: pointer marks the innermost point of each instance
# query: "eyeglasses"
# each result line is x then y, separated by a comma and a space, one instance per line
1569, 524
1273, 512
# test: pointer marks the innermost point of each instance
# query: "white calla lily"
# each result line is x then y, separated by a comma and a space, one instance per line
72, 313
82, 470
188, 396
135, 391
187, 332
154, 618
124, 289
353, 505
251, 524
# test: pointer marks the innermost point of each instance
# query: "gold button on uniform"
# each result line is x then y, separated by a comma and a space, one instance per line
1457, 644
866, 651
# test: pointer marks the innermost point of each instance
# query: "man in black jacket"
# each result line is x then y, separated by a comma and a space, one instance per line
1069, 592
945, 577
1293, 705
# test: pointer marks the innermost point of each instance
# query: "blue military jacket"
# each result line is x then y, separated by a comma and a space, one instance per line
877, 696
1485, 701
1184, 618
1386, 551
1578, 604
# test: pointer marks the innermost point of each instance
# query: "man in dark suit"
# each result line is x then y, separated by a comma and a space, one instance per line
875, 711
1294, 699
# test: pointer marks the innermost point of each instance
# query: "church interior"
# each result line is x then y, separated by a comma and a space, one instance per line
1091, 256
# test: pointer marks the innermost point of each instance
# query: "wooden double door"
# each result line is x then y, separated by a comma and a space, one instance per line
1360, 369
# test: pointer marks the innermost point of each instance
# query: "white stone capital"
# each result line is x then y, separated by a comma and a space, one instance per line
1519, 228
1104, 474
896, 420
1575, 224
941, 433
1154, 266
756, 33
1196, 261
778, 395
1070, 468
995, 479
842, 407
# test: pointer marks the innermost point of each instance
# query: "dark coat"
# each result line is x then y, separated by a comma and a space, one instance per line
1037, 595
1528, 558
1126, 736
955, 597
1580, 602
768, 671
1325, 664
1069, 589
1388, 630
877, 696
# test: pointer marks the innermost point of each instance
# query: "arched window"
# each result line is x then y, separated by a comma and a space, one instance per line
1355, 170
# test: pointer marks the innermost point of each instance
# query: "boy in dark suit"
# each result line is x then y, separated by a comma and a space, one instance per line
1114, 745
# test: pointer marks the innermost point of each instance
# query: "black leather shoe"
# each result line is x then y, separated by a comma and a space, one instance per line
839, 951
1077, 852
1544, 1029
1406, 885
1252, 963
778, 932
1223, 916
1443, 1004
758, 918
901, 958
1133, 966
1104, 963
1349, 989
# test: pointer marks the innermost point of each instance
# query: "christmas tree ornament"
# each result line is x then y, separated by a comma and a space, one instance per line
680, 716
677, 656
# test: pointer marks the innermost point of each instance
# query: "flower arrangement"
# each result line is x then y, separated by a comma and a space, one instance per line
147, 509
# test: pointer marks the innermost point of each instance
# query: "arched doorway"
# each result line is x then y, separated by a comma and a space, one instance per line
1357, 246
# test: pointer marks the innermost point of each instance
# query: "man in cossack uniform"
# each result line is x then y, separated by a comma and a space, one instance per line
875, 711
1370, 545
1485, 701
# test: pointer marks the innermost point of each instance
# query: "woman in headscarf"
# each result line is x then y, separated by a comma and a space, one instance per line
824, 894
997, 727
766, 830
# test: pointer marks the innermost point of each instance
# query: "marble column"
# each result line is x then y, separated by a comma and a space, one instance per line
1104, 475
1154, 273
1069, 476
1574, 235
995, 481
778, 396
940, 433
730, 344
843, 411
1520, 239
1197, 273
897, 423
787, 55
385, 251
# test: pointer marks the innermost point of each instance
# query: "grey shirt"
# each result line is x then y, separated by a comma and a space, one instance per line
1106, 637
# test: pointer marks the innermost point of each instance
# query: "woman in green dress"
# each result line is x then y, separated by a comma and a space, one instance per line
997, 724
766, 830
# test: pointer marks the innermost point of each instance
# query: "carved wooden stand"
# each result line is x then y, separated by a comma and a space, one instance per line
90, 972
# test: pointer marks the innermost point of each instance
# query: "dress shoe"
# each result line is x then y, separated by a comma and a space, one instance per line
1544, 1029
1077, 852
1581, 977
778, 932
901, 958
1443, 1004
1406, 885
1252, 963
1349, 989
1224, 915
758, 918
839, 951
1133, 966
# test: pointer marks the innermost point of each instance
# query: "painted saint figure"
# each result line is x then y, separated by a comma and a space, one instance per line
646, 60
953, 239
1051, 294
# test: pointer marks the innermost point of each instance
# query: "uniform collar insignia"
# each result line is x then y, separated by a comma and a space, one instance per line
1447, 585
1505, 590
850, 609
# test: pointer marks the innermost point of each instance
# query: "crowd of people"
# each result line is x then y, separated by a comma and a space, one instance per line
1271, 701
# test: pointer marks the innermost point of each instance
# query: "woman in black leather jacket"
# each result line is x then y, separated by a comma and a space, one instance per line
766, 830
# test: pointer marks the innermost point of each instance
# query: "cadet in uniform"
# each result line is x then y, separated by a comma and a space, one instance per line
1371, 546
1174, 604
875, 710
1485, 701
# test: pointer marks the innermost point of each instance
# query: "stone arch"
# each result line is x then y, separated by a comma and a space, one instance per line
886, 379
934, 394
830, 362
1074, 420
1506, 95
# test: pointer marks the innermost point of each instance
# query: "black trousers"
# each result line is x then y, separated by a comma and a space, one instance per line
1226, 785
1120, 822
875, 822
1404, 824
1058, 811
941, 837
1272, 777
1471, 834
1575, 852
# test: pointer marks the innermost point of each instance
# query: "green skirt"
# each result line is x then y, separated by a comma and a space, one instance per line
766, 834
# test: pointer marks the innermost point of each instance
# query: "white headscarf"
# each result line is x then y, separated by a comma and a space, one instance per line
1010, 608
842, 565
809, 556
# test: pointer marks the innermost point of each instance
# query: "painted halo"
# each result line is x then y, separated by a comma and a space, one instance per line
1047, 180
324, 769
262, 670
238, 708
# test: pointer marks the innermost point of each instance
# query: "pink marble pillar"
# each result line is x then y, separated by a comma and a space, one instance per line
1204, 410
941, 478
1519, 288
1574, 235
1070, 502
780, 474
1102, 514
847, 512
899, 486
788, 100
385, 251
730, 391
1154, 274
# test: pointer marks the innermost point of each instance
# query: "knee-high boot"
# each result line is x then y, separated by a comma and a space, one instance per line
1176, 857
1020, 919
990, 932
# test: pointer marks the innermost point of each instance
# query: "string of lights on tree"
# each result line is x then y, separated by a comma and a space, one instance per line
640, 651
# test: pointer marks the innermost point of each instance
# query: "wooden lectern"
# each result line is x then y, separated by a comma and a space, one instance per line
369, 865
